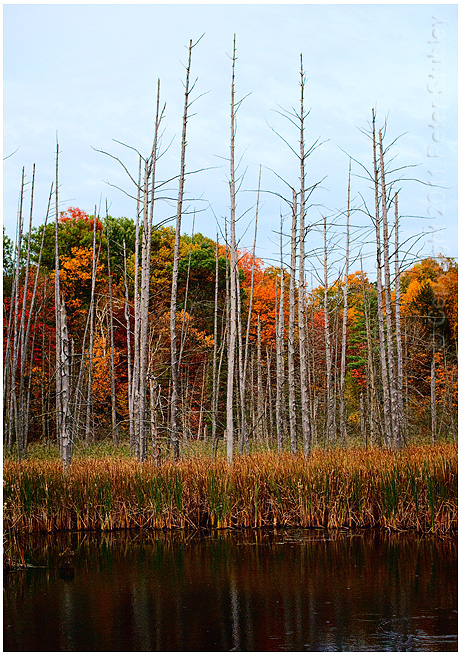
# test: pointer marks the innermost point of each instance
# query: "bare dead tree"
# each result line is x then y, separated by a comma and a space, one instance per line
383, 358
395, 423
21, 436
176, 258
129, 357
59, 412
291, 330
328, 351
260, 426
115, 427
343, 434
88, 417
306, 433
215, 348
186, 315
154, 398
399, 345
279, 321
374, 422
148, 209
269, 398
433, 390
13, 337
135, 386
245, 360
65, 438
233, 266
26, 417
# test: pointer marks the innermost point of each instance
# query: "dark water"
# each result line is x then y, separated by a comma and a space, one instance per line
294, 590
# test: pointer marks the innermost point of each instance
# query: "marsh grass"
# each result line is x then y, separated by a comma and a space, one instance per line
415, 489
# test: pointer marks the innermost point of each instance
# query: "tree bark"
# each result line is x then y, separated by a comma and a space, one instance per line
115, 428
433, 391
215, 347
58, 315
233, 267
269, 398
129, 357
399, 345
260, 407
343, 434
306, 433
135, 445
13, 334
154, 398
88, 419
65, 426
23, 345
395, 423
291, 331
279, 321
243, 373
176, 258
148, 210
328, 351
372, 385
383, 357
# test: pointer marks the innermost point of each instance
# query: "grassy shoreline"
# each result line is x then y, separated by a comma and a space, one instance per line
412, 490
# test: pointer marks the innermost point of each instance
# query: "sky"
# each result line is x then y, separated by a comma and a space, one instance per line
88, 73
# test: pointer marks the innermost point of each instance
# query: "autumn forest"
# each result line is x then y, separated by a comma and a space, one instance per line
126, 330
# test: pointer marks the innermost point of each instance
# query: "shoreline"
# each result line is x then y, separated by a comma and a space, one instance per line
414, 490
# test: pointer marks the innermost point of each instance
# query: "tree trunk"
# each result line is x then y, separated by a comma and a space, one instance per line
388, 309
372, 385
115, 428
433, 391
141, 434
58, 346
362, 421
233, 267
260, 407
176, 258
291, 331
65, 426
343, 434
129, 358
13, 333
328, 350
279, 322
399, 345
136, 332
154, 397
383, 357
269, 397
243, 376
88, 420
185, 321
23, 344
215, 347
148, 211
301, 282
31, 310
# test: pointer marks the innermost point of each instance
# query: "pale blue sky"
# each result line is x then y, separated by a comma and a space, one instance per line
90, 73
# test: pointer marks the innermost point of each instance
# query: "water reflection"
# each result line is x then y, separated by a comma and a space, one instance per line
294, 590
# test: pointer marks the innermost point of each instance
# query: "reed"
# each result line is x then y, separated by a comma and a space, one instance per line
415, 489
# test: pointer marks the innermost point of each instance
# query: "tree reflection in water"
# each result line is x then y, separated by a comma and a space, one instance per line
286, 590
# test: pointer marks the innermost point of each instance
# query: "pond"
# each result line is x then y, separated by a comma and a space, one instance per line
294, 590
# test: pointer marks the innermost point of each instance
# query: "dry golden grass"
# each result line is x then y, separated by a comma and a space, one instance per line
415, 489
